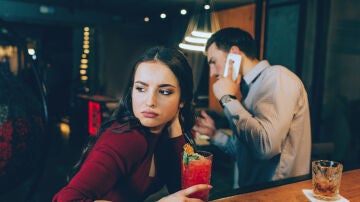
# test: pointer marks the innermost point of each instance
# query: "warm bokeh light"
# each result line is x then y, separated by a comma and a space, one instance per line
82, 71
65, 130
84, 78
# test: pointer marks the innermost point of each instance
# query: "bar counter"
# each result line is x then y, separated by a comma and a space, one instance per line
349, 188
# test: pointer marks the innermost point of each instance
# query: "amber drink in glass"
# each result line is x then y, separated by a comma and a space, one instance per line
326, 179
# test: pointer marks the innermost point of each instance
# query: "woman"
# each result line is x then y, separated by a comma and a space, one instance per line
139, 151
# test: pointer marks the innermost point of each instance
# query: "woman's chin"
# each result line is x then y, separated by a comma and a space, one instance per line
154, 128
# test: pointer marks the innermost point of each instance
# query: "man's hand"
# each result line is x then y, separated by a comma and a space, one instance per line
225, 85
205, 125
183, 195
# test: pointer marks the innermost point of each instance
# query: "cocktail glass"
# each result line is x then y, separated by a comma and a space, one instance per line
196, 169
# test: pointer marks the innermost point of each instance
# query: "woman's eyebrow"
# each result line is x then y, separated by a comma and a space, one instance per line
161, 85
167, 85
142, 83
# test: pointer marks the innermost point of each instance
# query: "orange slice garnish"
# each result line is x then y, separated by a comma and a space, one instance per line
188, 149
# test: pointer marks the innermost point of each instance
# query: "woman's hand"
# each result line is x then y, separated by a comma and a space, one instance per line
182, 195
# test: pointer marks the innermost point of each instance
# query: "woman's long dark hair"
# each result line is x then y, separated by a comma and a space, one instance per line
124, 114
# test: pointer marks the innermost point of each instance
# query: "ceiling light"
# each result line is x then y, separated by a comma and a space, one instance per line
201, 25
206, 6
201, 34
31, 51
195, 40
146, 19
163, 15
191, 47
183, 11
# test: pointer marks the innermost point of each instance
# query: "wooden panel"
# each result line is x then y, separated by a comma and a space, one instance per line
242, 17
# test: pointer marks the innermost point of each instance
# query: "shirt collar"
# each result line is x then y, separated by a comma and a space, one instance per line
255, 71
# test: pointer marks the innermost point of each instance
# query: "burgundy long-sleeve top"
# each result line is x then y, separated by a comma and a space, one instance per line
118, 167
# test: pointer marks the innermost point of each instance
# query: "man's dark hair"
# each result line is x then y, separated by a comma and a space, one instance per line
227, 37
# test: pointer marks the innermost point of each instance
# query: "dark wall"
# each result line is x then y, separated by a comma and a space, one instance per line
341, 85
120, 45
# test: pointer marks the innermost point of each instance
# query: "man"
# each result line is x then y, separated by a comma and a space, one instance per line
270, 119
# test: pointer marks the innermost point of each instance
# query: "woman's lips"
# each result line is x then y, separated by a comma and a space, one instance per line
148, 114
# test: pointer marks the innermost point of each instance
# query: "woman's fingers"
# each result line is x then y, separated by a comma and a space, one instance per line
196, 188
183, 195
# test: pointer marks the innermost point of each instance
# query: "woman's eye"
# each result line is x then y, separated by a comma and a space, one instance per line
166, 92
139, 89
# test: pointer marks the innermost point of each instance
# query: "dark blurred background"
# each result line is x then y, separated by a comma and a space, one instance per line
84, 49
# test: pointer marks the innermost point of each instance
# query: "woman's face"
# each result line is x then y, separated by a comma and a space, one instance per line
155, 95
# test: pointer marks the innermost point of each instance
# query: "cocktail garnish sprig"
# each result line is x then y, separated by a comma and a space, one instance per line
189, 154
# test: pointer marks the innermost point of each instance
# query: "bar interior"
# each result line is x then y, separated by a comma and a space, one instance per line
64, 65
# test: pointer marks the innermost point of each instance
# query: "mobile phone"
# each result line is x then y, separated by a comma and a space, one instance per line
236, 65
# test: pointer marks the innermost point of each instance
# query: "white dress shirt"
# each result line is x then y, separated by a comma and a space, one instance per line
271, 127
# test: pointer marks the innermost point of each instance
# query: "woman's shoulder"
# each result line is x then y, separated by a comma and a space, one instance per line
123, 139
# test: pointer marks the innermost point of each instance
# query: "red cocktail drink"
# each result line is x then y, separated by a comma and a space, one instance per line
196, 169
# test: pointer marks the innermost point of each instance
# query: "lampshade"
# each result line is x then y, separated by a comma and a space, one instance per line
201, 25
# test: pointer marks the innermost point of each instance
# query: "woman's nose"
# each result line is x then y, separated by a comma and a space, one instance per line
151, 100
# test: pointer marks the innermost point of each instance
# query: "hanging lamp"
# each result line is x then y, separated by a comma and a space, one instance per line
201, 26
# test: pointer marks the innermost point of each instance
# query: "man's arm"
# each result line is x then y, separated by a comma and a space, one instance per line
266, 127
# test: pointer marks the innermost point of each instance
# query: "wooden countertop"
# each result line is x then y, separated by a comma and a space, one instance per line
349, 188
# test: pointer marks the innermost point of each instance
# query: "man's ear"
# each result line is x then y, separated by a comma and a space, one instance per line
235, 49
